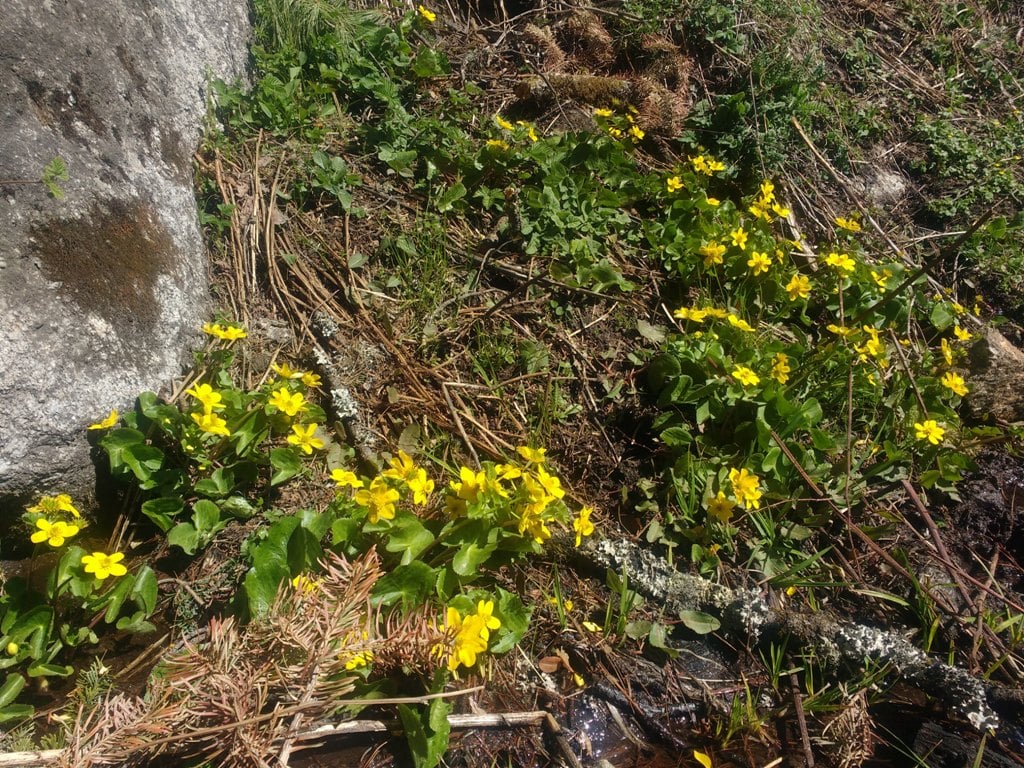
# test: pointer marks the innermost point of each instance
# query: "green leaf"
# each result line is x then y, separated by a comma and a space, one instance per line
515, 621
205, 515
470, 557
677, 437
13, 712
184, 535
410, 583
303, 550
699, 622
144, 461
135, 623
428, 63
45, 669
145, 591
250, 432
9, 691
116, 442
942, 316
408, 536
218, 484
446, 201
286, 464
238, 507
163, 511
115, 598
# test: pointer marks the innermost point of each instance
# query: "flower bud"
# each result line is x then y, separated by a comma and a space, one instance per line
12, 649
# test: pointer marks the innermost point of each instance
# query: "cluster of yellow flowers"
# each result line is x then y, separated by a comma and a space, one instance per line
56, 522
531, 131
746, 493
469, 634
766, 204
634, 131
378, 496
706, 165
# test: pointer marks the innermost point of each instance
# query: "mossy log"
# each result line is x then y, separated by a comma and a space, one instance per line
747, 614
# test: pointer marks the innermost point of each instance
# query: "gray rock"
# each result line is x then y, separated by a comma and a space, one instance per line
102, 292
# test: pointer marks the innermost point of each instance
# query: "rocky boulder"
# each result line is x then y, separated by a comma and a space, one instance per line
101, 291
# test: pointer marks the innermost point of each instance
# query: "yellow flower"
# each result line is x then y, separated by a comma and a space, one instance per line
532, 455
947, 352
700, 164
720, 507
674, 183
780, 368
600, 112
421, 486
849, 224
582, 525
636, 132
712, 201
302, 437
745, 376
566, 604
469, 634
469, 486
210, 399
758, 212
746, 488
715, 165
379, 499
798, 287
285, 371
712, 253
426, 14
402, 467
551, 484
346, 478
48, 506
780, 210
759, 263
693, 315
955, 383
839, 330
929, 430
881, 278
311, 380
873, 347
485, 612
530, 131
503, 123
841, 262
736, 322
614, 132
289, 403
53, 533
767, 190
591, 626
211, 424
498, 144
103, 565
958, 308
107, 423
739, 238
224, 332
304, 584
961, 333
360, 659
